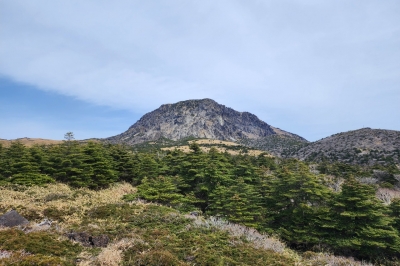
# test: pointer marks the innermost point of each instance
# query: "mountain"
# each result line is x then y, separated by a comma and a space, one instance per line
199, 119
364, 146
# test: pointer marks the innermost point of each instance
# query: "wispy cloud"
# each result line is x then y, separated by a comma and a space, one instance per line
304, 60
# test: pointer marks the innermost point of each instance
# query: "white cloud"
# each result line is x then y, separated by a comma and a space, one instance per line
297, 56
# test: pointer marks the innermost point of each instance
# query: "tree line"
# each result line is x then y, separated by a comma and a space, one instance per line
277, 196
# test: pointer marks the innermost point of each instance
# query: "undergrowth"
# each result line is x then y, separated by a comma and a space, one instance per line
140, 233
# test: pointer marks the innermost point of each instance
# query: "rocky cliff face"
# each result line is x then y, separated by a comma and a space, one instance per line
196, 118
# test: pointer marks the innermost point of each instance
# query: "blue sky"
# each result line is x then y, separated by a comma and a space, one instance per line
314, 68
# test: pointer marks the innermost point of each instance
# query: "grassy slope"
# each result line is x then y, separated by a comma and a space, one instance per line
29, 142
141, 233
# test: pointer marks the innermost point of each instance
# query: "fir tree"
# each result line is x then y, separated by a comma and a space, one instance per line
21, 167
395, 213
160, 189
98, 165
362, 225
238, 203
295, 200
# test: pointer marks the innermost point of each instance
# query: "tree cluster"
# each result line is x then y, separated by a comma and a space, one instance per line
276, 196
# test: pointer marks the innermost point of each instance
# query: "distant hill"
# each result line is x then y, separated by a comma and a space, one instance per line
364, 146
278, 145
30, 141
198, 119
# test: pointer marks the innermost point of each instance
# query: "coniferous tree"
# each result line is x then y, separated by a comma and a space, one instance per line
362, 224
98, 165
160, 189
395, 213
246, 169
2, 164
217, 171
22, 169
41, 158
192, 174
239, 203
148, 166
295, 200
72, 169
124, 162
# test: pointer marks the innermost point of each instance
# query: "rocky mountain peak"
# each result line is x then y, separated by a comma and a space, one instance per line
203, 118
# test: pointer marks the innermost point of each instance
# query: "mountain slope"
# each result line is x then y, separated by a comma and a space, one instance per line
199, 119
364, 146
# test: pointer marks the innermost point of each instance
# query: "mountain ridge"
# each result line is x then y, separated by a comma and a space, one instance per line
365, 146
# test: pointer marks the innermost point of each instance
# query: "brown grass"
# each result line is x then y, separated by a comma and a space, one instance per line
29, 142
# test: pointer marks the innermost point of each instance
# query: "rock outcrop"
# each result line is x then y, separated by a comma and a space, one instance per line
12, 218
88, 240
197, 118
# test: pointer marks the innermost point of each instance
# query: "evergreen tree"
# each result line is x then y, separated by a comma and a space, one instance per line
395, 213
295, 201
21, 167
362, 225
246, 169
2, 164
41, 158
217, 171
160, 189
192, 173
124, 162
98, 165
148, 166
266, 161
238, 203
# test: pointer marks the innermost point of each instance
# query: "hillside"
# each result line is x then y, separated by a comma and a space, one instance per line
278, 145
133, 233
30, 141
94, 193
365, 146
199, 119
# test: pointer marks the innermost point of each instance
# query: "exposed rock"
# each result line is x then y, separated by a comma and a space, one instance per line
12, 218
88, 240
45, 222
197, 118
5, 254
81, 237
100, 241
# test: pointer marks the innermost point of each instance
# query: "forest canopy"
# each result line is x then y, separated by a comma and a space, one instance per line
310, 206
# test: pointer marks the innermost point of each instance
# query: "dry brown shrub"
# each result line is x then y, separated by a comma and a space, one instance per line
73, 201
317, 259
112, 254
386, 195
258, 240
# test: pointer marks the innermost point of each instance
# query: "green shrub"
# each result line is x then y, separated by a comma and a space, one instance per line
28, 260
42, 243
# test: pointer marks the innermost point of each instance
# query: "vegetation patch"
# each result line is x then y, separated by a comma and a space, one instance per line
38, 243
